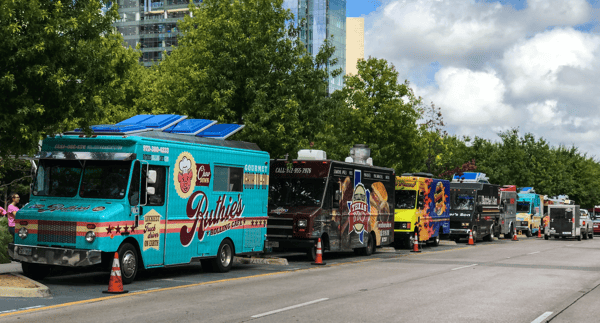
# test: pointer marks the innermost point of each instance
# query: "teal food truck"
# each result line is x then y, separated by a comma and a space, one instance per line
160, 190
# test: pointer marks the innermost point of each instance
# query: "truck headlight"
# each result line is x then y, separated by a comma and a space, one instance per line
23, 233
465, 224
302, 223
90, 236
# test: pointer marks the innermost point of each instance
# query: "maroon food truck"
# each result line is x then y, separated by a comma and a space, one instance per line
349, 205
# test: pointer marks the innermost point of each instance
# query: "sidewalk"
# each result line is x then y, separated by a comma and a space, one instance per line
13, 267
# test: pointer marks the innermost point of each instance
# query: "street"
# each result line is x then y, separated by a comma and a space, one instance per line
531, 280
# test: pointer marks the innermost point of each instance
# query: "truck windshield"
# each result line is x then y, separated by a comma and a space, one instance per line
405, 200
58, 178
462, 201
101, 179
296, 191
105, 179
522, 206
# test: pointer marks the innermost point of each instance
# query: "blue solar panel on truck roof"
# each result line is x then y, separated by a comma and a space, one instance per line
135, 119
190, 126
159, 122
220, 131
109, 128
471, 176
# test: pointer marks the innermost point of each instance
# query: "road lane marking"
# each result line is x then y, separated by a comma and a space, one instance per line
289, 308
531, 253
465, 267
22, 309
542, 317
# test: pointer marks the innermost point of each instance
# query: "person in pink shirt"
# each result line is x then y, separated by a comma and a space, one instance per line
12, 211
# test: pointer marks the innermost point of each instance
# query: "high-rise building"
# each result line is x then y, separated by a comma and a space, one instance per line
152, 24
355, 43
324, 19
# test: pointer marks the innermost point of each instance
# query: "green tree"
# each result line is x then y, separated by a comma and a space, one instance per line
381, 113
237, 62
62, 65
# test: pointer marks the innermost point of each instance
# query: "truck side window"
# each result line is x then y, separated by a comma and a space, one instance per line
158, 198
228, 179
134, 187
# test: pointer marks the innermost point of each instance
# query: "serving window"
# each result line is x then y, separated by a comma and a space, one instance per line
228, 179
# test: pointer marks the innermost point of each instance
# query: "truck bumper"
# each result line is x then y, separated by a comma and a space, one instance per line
54, 256
521, 228
274, 243
459, 233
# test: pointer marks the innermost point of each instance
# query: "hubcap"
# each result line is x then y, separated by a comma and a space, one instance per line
225, 255
128, 266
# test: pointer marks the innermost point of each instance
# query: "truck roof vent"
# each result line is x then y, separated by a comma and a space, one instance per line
360, 154
469, 177
312, 154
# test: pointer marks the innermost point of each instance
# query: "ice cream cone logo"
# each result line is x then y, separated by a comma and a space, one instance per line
359, 208
185, 167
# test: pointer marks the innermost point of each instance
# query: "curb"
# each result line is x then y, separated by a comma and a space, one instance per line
39, 291
266, 261
447, 243
386, 249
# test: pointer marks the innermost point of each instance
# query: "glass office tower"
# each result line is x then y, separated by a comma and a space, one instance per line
151, 23
325, 19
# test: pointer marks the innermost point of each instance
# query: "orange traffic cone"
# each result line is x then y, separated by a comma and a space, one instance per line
471, 242
416, 244
319, 260
515, 235
115, 284
539, 232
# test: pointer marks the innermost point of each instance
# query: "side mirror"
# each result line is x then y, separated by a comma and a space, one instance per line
151, 177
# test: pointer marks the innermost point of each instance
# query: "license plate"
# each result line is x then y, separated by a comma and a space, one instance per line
25, 251
566, 232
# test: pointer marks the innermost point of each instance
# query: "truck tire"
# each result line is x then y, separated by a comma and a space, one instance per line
592, 234
224, 260
509, 234
490, 237
128, 260
529, 234
580, 235
35, 271
409, 242
585, 235
546, 237
436, 240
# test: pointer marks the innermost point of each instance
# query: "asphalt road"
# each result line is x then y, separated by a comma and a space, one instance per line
501, 281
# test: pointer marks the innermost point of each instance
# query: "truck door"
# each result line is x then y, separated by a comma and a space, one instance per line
153, 211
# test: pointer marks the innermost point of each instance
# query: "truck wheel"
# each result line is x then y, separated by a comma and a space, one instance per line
592, 234
529, 234
35, 271
474, 235
436, 240
370, 248
546, 237
585, 235
409, 242
579, 237
128, 260
224, 260
490, 237
509, 234
311, 254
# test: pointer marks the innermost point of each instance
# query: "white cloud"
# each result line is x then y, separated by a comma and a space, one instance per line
543, 113
471, 98
533, 65
499, 68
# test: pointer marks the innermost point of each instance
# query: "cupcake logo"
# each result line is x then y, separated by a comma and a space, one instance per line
184, 174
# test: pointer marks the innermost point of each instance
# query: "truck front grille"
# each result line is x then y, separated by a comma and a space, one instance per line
279, 227
57, 231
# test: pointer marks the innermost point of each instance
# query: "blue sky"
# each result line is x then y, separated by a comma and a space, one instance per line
357, 8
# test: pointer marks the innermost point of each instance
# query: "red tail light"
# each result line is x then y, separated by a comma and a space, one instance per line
583, 222
91, 226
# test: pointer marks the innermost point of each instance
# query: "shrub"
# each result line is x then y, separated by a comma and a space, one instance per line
5, 239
